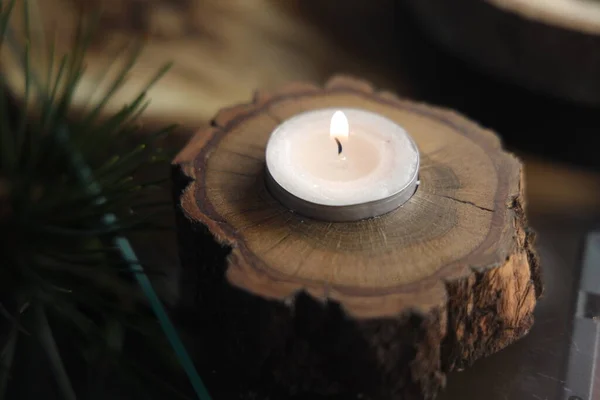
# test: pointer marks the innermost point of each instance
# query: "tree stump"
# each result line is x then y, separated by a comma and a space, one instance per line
375, 309
551, 46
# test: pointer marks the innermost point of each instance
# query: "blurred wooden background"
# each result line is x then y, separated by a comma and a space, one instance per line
224, 49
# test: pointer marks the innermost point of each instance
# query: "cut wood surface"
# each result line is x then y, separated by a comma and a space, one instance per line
449, 277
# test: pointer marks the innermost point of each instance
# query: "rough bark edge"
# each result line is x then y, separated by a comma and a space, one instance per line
246, 267
478, 317
426, 372
458, 350
233, 114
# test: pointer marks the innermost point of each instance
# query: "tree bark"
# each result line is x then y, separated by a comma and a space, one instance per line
375, 309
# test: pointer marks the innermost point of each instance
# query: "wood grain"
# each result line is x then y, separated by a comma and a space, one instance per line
455, 263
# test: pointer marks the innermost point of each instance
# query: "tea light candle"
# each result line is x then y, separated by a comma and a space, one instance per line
341, 164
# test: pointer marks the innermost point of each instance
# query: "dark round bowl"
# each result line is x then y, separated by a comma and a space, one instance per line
551, 49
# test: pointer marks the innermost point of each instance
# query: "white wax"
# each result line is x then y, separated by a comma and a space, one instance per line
378, 158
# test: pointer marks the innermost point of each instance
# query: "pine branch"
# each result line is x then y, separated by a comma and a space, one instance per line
58, 216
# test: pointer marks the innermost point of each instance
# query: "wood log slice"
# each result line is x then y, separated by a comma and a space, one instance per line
375, 309
551, 46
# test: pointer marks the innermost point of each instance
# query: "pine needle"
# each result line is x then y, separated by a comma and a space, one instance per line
58, 248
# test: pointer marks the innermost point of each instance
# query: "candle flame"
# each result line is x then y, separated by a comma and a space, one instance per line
339, 127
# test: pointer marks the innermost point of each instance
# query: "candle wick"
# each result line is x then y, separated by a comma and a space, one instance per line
339, 144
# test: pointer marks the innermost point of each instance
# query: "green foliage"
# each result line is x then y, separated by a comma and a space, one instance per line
59, 195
